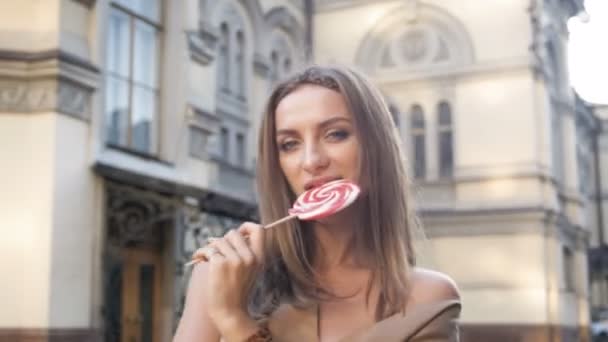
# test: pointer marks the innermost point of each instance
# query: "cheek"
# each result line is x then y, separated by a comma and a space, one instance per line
287, 167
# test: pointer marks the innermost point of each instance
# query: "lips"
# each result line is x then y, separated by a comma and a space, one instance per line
318, 182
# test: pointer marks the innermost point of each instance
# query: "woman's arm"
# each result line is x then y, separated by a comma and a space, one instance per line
216, 299
434, 288
195, 324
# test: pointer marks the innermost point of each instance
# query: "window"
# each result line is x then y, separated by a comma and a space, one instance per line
240, 147
240, 64
281, 61
287, 65
569, 269
225, 138
223, 72
132, 81
418, 137
274, 61
446, 155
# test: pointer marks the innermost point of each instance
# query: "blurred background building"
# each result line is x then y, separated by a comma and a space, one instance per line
128, 136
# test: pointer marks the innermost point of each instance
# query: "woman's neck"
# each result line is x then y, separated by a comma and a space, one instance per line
335, 239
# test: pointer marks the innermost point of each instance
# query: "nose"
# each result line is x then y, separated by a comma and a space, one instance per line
314, 158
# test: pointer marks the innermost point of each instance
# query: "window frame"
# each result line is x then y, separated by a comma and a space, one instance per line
154, 147
443, 128
418, 132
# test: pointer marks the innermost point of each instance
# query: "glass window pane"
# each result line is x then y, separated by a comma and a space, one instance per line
143, 119
417, 117
145, 50
240, 143
445, 114
240, 63
146, 301
223, 58
117, 111
445, 154
225, 144
118, 45
419, 156
146, 8
113, 281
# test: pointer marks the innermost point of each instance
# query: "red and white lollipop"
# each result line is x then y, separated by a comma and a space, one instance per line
317, 203
325, 200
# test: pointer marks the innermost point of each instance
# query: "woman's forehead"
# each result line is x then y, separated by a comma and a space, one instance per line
309, 104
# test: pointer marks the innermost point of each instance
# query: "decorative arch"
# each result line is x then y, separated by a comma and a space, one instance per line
211, 11
231, 12
415, 39
284, 48
281, 22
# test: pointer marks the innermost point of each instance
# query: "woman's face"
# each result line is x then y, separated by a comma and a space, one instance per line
316, 138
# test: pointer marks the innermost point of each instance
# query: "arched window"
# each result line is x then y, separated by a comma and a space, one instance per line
240, 64
223, 72
418, 141
274, 60
287, 65
446, 155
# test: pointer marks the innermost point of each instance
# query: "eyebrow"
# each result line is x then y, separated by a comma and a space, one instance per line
323, 124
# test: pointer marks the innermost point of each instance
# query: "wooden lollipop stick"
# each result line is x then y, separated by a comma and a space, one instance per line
205, 258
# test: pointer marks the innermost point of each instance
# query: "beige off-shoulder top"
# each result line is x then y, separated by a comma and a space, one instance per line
432, 322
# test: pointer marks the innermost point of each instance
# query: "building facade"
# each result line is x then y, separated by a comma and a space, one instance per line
489, 120
128, 130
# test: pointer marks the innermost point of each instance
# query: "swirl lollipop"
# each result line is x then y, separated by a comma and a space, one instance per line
325, 200
317, 203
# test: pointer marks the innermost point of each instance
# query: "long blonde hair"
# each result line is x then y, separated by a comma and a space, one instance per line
387, 217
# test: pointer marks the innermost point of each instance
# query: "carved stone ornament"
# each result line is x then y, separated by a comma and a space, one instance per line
414, 45
66, 86
45, 95
135, 217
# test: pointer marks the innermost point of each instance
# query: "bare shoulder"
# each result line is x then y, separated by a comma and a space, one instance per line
428, 286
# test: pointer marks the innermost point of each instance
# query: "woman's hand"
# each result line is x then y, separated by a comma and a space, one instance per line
232, 268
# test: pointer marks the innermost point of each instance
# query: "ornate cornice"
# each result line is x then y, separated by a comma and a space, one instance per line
209, 200
44, 81
202, 43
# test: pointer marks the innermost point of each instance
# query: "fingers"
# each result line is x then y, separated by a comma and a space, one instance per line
204, 254
242, 244
239, 243
227, 250
255, 233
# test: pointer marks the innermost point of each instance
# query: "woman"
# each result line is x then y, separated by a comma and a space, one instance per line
348, 277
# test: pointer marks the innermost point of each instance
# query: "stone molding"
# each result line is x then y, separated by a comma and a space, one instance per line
209, 200
86, 3
514, 220
202, 124
332, 5
399, 42
261, 65
47, 81
202, 44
